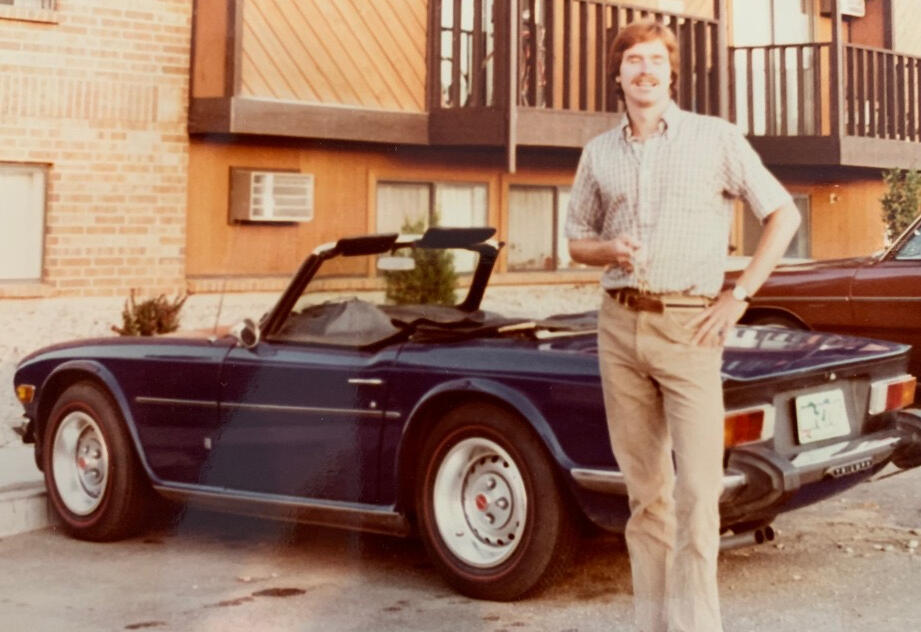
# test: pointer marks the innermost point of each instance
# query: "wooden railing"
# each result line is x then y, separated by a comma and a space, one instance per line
882, 93
788, 90
780, 90
561, 51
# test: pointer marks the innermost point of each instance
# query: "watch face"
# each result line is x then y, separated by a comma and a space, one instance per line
739, 293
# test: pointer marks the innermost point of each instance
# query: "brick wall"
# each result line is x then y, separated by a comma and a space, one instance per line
97, 91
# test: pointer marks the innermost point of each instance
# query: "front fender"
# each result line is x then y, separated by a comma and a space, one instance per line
73, 371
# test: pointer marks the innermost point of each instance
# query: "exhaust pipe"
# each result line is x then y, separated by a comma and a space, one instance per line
747, 538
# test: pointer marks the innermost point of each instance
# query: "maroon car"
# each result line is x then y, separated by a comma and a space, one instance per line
878, 296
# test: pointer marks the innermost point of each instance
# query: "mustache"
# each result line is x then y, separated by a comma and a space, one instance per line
640, 78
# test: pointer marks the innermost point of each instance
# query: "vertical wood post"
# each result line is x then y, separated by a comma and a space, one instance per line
433, 50
722, 58
232, 51
512, 19
836, 79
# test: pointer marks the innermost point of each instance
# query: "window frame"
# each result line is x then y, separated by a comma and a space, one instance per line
36, 169
557, 238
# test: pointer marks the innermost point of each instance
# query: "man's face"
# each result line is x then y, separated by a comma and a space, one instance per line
645, 73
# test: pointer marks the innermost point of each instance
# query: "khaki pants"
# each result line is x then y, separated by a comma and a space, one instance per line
664, 397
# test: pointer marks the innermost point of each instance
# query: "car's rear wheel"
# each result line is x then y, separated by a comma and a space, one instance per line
775, 320
95, 483
490, 511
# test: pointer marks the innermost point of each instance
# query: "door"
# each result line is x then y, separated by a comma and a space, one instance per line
299, 420
887, 298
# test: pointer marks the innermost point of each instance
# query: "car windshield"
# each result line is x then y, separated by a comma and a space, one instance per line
912, 247
366, 300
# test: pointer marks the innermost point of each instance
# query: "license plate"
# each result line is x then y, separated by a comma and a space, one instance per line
821, 416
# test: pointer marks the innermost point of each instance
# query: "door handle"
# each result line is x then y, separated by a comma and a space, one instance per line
369, 381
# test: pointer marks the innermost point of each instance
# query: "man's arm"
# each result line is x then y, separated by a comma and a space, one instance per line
779, 228
595, 252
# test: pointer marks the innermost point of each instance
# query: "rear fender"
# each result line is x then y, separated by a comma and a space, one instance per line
453, 393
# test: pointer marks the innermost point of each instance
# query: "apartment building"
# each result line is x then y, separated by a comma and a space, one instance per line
288, 123
93, 146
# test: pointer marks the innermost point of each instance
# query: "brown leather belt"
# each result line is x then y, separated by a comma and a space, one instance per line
632, 298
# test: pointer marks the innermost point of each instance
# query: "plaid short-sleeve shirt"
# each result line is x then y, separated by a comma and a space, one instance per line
673, 193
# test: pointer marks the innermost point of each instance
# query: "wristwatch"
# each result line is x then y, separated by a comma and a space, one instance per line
739, 293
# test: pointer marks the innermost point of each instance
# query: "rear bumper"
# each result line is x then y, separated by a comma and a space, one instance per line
759, 483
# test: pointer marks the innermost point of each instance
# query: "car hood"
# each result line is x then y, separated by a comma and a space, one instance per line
754, 353
155, 344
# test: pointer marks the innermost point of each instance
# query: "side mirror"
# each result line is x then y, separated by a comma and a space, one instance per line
246, 333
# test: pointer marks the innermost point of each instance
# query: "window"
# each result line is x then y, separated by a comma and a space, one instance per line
763, 24
401, 204
799, 247
22, 189
536, 228
30, 4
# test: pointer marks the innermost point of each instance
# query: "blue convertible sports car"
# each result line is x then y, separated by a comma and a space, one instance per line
483, 434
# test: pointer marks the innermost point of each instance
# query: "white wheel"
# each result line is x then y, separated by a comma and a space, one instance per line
480, 502
80, 463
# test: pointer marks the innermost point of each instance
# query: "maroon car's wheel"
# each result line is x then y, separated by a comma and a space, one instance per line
94, 480
775, 320
489, 508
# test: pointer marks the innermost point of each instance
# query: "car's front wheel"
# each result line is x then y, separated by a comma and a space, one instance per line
95, 483
490, 511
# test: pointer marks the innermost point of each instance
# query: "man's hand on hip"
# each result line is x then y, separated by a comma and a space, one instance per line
713, 324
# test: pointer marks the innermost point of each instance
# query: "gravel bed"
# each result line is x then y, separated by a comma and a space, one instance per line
32, 323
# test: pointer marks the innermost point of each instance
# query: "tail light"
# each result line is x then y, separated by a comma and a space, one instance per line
748, 424
891, 394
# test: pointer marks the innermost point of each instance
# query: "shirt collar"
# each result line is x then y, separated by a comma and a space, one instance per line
667, 124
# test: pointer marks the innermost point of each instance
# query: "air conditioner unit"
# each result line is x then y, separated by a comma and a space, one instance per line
270, 196
854, 8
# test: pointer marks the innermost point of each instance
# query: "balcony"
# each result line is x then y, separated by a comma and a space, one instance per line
818, 104
551, 88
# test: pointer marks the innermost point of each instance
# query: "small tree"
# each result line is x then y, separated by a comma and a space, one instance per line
901, 201
431, 281
158, 315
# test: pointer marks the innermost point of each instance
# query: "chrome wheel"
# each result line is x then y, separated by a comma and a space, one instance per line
480, 502
80, 463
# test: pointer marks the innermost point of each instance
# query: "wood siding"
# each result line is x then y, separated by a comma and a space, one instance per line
344, 52
344, 202
209, 48
844, 216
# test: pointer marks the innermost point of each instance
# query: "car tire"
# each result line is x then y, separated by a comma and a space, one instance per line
775, 320
490, 510
95, 483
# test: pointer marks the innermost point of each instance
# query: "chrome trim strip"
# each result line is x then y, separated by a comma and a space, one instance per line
281, 408
798, 299
612, 481
370, 381
291, 508
893, 299
171, 401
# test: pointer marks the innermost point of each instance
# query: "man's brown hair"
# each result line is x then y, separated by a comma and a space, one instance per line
637, 33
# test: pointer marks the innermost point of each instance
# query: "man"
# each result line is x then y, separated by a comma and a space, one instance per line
652, 201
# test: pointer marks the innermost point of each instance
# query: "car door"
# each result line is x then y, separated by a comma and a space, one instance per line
300, 420
886, 297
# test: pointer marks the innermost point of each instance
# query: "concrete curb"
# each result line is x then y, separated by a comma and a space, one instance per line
24, 510
23, 499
